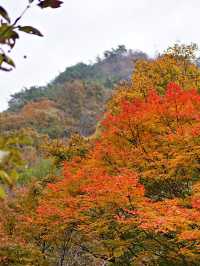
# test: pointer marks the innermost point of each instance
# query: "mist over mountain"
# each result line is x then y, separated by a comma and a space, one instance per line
72, 101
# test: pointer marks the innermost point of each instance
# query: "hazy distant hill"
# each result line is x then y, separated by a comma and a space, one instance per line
75, 98
116, 65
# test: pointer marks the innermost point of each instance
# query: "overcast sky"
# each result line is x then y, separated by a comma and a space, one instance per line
83, 29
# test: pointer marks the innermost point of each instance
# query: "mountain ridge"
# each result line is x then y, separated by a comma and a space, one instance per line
74, 99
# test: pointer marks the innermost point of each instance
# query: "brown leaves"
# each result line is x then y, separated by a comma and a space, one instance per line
50, 3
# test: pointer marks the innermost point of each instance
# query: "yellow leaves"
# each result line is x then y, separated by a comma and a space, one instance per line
136, 181
2, 193
190, 235
183, 51
174, 65
66, 150
5, 177
157, 74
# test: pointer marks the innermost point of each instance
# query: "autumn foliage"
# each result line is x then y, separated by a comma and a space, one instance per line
136, 196
132, 199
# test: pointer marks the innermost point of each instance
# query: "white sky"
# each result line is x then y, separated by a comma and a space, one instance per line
82, 29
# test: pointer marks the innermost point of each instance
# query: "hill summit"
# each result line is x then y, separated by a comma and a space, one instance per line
72, 101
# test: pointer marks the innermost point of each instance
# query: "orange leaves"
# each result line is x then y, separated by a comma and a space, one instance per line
160, 135
164, 216
117, 189
196, 202
153, 137
135, 190
190, 235
139, 180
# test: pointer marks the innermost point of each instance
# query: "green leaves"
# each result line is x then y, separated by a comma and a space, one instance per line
30, 30
8, 35
6, 59
4, 14
9, 32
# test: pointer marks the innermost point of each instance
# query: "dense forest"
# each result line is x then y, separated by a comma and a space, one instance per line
101, 166
73, 101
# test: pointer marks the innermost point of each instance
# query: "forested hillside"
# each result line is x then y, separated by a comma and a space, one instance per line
75, 99
129, 194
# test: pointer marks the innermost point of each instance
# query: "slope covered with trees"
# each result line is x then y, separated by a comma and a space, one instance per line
129, 195
74, 100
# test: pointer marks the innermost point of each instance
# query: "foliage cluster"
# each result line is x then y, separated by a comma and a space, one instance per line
128, 195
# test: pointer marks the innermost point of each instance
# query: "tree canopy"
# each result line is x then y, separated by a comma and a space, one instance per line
128, 194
